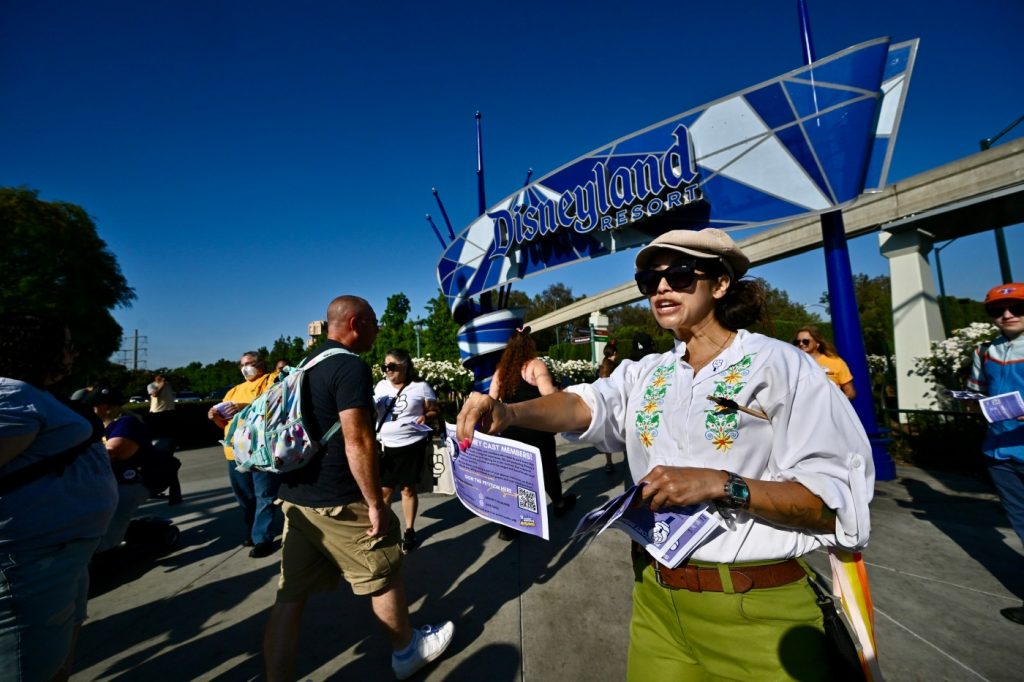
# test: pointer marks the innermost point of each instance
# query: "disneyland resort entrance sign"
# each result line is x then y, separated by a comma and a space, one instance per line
806, 142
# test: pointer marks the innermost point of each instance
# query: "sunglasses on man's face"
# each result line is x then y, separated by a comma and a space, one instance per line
679, 278
996, 311
391, 367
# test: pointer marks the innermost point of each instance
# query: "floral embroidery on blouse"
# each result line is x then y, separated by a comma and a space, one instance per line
648, 417
723, 427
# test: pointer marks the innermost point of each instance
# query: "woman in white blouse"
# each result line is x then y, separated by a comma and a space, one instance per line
404, 403
789, 472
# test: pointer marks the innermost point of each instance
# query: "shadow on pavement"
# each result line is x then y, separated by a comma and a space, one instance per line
176, 646
972, 523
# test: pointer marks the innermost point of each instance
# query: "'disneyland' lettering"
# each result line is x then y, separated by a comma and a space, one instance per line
608, 201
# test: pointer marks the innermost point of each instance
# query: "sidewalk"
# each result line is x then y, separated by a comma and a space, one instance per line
942, 562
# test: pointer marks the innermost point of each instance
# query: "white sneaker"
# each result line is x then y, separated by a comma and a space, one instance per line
428, 642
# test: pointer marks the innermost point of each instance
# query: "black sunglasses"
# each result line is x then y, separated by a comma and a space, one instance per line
679, 277
802, 342
996, 310
391, 367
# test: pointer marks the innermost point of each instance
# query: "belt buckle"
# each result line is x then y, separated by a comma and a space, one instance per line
657, 574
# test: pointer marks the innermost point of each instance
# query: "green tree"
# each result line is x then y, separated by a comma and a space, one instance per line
395, 329
554, 297
874, 306
440, 332
783, 315
961, 312
54, 261
290, 349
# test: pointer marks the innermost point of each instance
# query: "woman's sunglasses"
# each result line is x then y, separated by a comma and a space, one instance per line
997, 310
391, 367
679, 277
801, 342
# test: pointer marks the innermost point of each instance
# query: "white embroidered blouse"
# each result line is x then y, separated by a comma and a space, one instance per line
657, 411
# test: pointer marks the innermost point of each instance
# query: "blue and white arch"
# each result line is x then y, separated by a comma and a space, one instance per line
806, 142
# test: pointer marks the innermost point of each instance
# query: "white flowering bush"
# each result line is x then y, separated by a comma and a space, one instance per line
445, 376
950, 360
568, 372
452, 382
448, 379
880, 364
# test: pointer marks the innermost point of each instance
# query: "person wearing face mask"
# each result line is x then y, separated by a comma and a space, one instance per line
254, 490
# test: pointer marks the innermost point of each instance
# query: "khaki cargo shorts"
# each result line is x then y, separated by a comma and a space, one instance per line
322, 544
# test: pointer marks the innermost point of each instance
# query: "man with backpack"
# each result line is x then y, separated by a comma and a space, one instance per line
256, 491
336, 520
998, 368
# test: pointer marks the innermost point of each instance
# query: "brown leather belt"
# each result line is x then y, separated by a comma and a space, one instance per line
744, 578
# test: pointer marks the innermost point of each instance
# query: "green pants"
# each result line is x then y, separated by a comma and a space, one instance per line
766, 634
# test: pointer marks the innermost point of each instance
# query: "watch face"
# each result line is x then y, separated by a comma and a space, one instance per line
739, 493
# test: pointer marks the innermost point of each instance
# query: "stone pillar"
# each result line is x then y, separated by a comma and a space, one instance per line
917, 320
598, 335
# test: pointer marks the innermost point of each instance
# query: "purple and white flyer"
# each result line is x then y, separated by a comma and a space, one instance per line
500, 480
669, 535
1002, 407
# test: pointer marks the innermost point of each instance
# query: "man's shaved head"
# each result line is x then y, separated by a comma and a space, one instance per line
342, 309
352, 323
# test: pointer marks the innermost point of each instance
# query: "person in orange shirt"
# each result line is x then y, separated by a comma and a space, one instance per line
255, 491
810, 340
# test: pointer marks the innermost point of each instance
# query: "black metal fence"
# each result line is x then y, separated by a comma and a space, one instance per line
941, 439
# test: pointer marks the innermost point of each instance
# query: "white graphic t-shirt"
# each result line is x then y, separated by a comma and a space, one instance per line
398, 429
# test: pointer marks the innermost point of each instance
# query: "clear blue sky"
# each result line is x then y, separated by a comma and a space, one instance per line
248, 161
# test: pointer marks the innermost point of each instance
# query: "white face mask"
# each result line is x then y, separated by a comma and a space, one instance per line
249, 372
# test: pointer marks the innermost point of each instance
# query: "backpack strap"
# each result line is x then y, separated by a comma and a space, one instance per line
54, 464
307, 364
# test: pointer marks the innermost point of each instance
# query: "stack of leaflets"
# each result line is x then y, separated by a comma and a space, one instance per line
996, 408
670, 535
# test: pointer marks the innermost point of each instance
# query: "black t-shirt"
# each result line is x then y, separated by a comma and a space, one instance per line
338, 383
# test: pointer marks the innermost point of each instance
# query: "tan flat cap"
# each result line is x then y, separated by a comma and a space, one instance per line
707, 243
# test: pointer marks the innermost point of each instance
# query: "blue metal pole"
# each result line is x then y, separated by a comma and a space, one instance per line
808, 48
437, 233
486, 298
444, 213
850, 339
843, 303
805, 31
480, 198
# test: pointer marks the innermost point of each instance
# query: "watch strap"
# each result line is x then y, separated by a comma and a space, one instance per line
737, 492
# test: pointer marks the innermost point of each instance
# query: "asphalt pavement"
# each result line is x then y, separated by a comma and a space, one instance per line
942, 563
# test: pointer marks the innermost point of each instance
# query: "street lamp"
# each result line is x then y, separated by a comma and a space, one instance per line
417, 326
1004, 258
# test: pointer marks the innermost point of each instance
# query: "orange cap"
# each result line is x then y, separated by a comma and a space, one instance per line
1014, 291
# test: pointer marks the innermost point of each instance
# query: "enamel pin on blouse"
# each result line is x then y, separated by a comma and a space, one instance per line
729, 404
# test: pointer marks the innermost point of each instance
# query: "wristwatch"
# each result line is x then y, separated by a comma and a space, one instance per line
737, 494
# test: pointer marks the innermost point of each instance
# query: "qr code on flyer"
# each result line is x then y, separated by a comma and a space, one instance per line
527, 500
